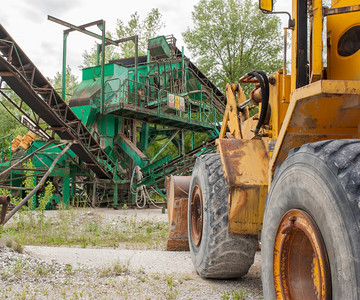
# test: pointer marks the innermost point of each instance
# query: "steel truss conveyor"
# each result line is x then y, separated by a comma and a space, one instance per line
23, 77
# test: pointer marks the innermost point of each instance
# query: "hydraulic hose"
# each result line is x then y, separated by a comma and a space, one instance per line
264, 86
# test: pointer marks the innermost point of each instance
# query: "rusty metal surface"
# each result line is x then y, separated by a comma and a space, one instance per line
177, 245
245, 164
32, 123
234, 96
248, 79
299, 244
177, 203
4, 200
341, 10
180, 185
39, 185
326, 109
196, 215
255, 95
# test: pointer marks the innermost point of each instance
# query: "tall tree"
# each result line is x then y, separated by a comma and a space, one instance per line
10, 115
231, 38
145, 28
89, 57
71, 83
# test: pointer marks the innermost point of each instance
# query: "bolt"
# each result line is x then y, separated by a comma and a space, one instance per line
272, 80
288, 227
292, 219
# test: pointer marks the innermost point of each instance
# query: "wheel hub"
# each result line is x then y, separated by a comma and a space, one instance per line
301, 268
196, 211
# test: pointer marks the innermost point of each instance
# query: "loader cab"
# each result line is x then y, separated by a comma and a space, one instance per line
325, 60
299, 27
341, 47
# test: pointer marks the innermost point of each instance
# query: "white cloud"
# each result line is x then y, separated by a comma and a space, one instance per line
27, 23
55, 6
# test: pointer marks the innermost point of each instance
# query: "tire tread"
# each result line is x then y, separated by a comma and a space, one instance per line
335, 164
230, 255
343, 158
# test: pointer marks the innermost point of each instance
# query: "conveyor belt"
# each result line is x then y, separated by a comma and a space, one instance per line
180, 165
219, 98
22, 76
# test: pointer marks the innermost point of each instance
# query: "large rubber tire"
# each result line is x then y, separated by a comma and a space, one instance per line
219, 254
323, 180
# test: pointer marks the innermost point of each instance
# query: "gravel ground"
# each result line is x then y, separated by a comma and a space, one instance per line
78, 273
110, 213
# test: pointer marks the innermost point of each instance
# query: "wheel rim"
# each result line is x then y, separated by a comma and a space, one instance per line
301, 268
196, 215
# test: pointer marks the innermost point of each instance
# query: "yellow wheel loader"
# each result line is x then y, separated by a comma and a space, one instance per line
289, 174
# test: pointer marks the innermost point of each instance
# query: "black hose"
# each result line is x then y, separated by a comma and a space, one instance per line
265, 100
264, 85
266, 80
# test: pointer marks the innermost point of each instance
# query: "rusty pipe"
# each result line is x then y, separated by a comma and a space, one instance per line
255, 95
248, 79
4, 200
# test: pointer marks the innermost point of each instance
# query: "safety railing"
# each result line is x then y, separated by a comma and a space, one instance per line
193, 111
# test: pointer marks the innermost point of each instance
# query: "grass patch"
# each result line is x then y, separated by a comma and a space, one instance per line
116, 269
85, 229
234, 295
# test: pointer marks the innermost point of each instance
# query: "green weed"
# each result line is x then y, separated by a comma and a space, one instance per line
80, 228
234, 295
114, 270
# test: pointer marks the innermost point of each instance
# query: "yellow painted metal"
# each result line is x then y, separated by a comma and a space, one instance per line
294, 47
248, 127
279, 102
326, 109
316, 24
231, 119
245, 164
285, 83
301, 268
224, 123
342, 67
240, 94
266, 5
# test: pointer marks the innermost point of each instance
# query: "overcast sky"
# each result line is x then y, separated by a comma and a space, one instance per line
27, 23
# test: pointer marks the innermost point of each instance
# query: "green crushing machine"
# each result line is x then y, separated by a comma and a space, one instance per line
119, 124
